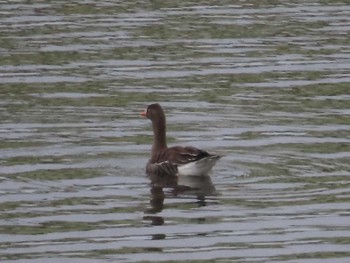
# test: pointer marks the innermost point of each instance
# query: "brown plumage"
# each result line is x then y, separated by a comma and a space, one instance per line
174, 160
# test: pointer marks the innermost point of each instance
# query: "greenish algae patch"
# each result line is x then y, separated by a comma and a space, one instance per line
46, 58
8, 206
64, 226
115, 100
47, 227
61, 174
268, 170
13, 144
319, 148
35, 160
313, 255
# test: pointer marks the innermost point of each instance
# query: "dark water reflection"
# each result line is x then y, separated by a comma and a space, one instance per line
163, 186
265, 83
197, 186
169, 186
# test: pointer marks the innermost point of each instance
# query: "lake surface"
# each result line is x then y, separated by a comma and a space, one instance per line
266, 83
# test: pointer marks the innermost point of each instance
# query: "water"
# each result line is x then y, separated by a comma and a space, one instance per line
264, 82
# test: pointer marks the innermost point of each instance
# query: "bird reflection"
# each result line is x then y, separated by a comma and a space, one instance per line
165, 185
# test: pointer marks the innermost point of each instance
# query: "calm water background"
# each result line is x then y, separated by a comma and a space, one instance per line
266, 83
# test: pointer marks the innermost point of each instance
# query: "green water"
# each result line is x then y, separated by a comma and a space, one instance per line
264, 82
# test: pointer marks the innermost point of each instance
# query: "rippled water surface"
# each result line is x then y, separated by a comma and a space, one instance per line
266, 83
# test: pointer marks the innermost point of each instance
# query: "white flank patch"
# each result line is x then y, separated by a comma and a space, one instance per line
198, 168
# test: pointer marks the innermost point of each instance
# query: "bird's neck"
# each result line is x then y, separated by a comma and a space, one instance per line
159, 133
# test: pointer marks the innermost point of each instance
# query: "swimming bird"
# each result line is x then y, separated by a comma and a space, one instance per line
176, 160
